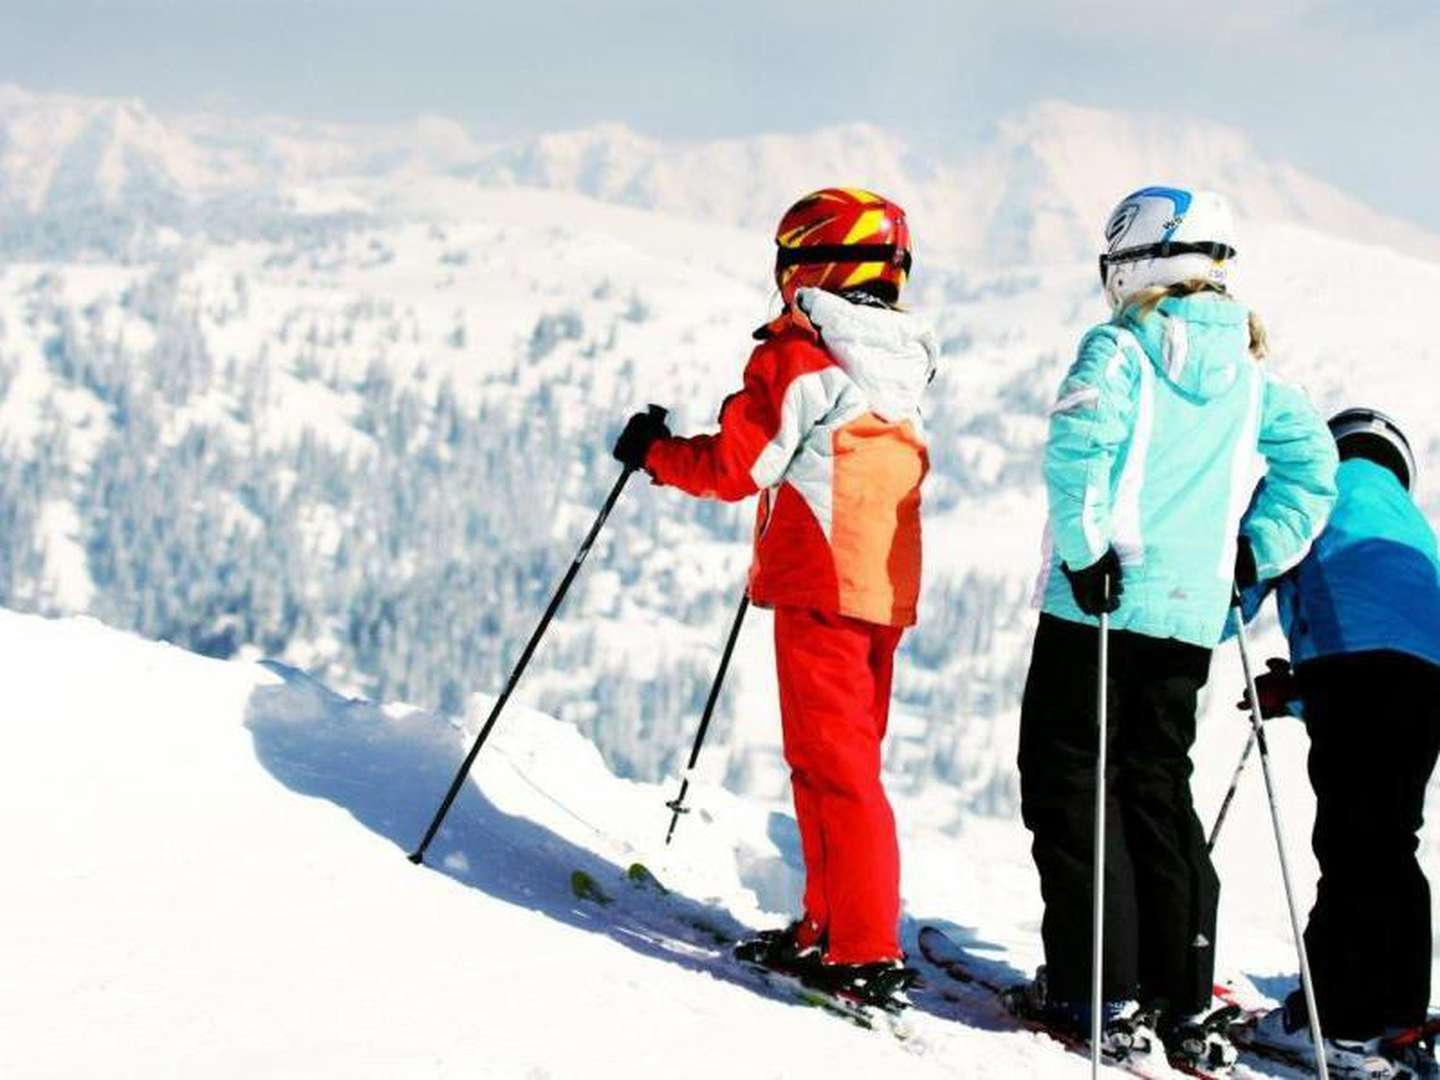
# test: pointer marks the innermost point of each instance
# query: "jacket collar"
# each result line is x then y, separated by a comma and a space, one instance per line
791, 319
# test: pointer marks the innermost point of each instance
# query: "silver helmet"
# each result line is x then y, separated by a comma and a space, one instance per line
1383, 436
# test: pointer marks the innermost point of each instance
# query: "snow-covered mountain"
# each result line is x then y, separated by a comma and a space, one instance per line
361, 431
81, 173
59, 152
1031, 190
208, 879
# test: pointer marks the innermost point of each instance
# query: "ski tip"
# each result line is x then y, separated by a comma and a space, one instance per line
585, 888
640, 874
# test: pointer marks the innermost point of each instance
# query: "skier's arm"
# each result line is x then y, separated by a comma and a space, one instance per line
1089, 423
786, 393
1298, 492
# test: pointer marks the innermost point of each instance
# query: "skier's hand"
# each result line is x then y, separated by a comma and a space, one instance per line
1277, 688
1247, 574
1099, 586
641, 432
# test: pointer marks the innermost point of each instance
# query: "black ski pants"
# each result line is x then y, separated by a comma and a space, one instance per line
1161, 892
1374, 723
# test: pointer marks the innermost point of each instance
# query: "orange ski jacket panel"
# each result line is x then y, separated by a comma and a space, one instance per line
827, 429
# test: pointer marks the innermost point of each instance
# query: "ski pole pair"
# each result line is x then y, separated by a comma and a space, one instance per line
418, 855
1257, 738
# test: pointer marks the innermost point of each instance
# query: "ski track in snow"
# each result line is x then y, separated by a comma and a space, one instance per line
208, 878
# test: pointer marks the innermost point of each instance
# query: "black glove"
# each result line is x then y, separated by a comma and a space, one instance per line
1098, 587
641, 431
1277, 688
1246, 572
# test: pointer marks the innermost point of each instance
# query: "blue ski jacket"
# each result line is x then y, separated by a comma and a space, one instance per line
1372, 580
1153, 450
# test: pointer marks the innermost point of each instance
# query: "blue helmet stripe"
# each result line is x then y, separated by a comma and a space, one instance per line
1179, 197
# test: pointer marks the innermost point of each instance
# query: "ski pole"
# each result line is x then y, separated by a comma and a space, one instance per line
1230, 795
1102, 702
1258, 734
418, 855
677, 804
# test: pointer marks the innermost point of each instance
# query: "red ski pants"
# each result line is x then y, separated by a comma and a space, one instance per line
835, 676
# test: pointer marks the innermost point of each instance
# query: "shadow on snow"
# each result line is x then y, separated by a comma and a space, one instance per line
389, 772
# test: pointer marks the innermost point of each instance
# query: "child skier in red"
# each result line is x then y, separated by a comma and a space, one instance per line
827, 429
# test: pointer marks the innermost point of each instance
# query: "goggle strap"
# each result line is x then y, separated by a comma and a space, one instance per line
819, 254
1165, 250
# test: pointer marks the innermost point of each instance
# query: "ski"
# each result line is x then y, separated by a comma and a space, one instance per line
640, 879
794, 986
782, 985
1383, 1062
1377, 1063
1425, 1035
1365, 1067
943, 953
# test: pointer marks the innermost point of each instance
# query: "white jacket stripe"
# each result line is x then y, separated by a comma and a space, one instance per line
1125, 526
1246, 468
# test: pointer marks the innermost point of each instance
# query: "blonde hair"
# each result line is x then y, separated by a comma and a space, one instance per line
1148, 299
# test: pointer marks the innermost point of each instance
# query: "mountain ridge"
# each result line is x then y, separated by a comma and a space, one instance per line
1031, 191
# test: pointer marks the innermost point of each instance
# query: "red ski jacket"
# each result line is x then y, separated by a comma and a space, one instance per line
827, 428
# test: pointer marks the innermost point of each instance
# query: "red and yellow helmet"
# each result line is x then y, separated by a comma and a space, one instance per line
843, 238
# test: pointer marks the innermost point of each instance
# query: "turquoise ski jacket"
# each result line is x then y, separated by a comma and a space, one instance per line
1372, 580
1162, 427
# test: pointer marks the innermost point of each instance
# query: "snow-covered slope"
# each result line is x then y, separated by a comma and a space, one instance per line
207, 878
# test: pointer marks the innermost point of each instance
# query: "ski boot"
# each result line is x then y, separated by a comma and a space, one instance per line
796, 949
1127, 1032
1202, 1042
882, 984
1284, 1033
1412, 1053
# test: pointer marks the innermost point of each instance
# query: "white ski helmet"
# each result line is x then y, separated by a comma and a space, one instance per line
1163, 236
1369, 433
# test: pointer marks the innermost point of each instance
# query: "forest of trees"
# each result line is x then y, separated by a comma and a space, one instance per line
411, 564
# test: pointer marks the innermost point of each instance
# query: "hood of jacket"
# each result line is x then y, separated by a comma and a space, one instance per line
1196, 343
890, 355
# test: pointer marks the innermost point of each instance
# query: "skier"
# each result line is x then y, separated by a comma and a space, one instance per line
1149, 465
1362, 615
827, 428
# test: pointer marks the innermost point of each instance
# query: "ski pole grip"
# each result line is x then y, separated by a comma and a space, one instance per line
659, 412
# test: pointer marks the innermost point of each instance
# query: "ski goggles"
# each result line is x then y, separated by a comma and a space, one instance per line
1216, 251
819, 254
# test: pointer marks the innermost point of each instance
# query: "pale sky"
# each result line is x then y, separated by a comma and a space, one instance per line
1346, 89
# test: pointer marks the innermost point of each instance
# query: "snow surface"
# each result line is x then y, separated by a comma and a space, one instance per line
208, 878
214, 881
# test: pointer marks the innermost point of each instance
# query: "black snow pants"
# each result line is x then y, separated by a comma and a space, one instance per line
1374, 723
1161, 892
